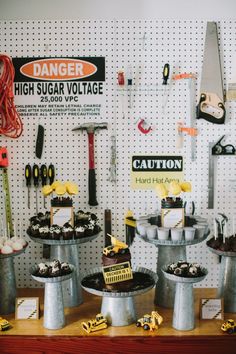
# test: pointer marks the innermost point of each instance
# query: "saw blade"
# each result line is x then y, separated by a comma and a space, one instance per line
211, 79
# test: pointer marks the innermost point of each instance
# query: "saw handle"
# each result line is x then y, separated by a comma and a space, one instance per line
211, 108
92, 175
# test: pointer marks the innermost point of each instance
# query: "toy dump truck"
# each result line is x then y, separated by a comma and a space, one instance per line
96, 324
229, 326
116, 247
150, 322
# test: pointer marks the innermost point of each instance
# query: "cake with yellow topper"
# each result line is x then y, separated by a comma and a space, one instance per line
172, 208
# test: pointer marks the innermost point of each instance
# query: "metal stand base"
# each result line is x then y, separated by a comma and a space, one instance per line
119, 311
183, 317
72, 292
7, 286
227, 283
165, 289
54, 317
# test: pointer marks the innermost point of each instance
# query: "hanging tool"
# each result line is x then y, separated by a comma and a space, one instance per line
166, 73
211, 104
36, 184
216, 149
43, 175
141, 127
130, 225
28, 175
165, 77
129, 76
51, 173
6, 191
180, 130
107, 224
39, 141
112, 169
91, 128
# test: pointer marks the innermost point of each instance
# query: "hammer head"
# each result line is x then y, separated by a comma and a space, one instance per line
91, 127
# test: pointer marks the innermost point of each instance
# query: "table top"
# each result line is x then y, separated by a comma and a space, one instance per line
92, 305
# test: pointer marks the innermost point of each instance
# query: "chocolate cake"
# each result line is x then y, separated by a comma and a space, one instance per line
225, 245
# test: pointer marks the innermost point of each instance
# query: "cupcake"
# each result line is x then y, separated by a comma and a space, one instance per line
34, 230
55, 232
79, 231
44, 232
89, 230
67, 231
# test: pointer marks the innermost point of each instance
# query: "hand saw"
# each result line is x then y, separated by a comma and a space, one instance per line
211, 104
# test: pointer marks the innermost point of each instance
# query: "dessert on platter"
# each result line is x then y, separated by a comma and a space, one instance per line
116, 275
185, 269
52, 269
12, 245
222, 241
62, 222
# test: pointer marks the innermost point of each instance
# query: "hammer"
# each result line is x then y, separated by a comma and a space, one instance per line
90, 128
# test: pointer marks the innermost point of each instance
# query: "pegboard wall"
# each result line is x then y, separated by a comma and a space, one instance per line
146, 46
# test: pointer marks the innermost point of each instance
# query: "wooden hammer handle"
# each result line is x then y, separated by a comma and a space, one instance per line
92, 175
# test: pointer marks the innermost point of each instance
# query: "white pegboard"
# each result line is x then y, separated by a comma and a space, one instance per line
147, 46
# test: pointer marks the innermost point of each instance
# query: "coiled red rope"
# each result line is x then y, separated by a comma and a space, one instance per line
10, 122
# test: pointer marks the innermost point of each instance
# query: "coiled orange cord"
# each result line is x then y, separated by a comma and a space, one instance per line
10, 122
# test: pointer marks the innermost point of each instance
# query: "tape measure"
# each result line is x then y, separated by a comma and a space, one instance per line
6, 191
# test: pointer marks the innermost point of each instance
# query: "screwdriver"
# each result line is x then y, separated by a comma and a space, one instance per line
28, 175
51, 173
165, 77
36, 183
166, 73
43, 175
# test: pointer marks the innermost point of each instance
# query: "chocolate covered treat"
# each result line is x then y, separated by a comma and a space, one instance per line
185, 269
79, 231
227, 244
44, 232
65, 268
55, 232
67, 232
53, 269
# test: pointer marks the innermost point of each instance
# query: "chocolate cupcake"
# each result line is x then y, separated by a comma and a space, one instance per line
34, 230
67, 231
55, 232
44, 232
79, 231
89, 230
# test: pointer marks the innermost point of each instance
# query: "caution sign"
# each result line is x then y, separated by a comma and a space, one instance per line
117, 273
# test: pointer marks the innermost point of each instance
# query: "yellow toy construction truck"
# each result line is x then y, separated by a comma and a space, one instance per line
115, 247
229, 326
150, 322
96, 324
4, 324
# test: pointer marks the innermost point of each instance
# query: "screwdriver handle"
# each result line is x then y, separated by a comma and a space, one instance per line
43, 174
51, 173
28, 175
36, 175
166, 73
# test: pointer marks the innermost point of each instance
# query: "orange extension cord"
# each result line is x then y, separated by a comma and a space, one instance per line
10, 122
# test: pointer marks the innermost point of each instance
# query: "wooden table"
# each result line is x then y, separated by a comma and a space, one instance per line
29, 336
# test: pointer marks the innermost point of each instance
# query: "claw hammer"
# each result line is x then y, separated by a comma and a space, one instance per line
91, 128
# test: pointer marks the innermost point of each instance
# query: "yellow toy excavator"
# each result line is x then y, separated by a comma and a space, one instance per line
150, 322
96, 324
116, 247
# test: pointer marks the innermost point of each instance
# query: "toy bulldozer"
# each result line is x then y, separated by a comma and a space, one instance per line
96, 324
150, 322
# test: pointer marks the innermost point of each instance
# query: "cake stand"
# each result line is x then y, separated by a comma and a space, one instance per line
67, 251
227, 279
8, 282
118, 307
169, 252
183, 316
54, 317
